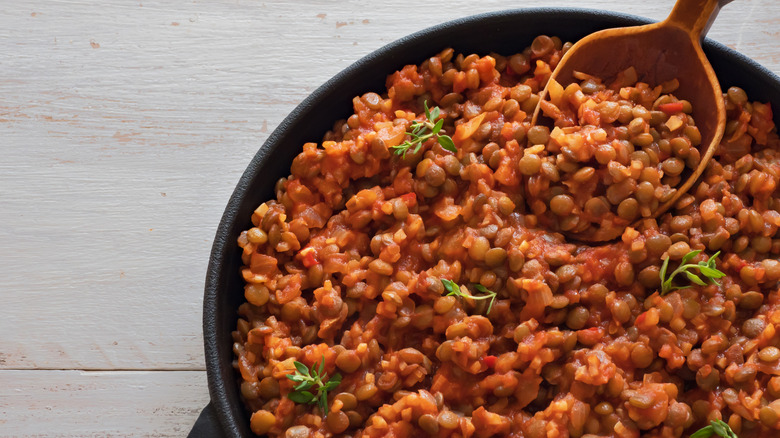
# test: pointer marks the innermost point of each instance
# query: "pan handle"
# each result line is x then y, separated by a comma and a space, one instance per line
207, 425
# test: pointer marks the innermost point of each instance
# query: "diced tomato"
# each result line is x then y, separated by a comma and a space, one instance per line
508, 131
590, 116
671, 108
647, 320
460, 82
309, 257
410, 199
590, 336
489, 361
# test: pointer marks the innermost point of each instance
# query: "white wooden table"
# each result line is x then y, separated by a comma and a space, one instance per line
125, 125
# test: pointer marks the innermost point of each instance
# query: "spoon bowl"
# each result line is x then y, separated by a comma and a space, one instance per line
658, 52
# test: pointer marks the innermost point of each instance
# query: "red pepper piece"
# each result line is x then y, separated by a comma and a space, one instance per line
671, 108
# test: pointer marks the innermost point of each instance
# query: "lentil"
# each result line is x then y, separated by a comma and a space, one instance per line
769, 354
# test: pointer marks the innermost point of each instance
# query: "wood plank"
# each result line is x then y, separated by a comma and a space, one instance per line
105, 404
125, 127
127, 124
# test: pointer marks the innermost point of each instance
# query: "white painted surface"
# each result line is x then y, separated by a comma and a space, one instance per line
125, 126
103, 403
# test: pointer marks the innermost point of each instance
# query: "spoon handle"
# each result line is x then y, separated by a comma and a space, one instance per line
695, 16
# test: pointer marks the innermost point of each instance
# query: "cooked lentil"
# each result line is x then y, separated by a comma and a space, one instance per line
347, 263
645, 137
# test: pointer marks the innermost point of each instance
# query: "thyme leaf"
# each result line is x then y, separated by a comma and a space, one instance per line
312, 378
705, 268
420, 132
717, 428
454, 289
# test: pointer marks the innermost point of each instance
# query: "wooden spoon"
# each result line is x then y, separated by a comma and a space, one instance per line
659, 52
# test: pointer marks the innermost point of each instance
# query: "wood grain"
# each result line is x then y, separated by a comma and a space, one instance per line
125, 126
100, 404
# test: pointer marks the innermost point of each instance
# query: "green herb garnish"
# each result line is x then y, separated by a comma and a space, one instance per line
307, 379
422, 131
707, 269
455, 290
717, 428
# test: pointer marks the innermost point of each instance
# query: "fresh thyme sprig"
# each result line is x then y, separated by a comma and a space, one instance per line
707, 269
455, 290
422, 131
307, 379
717, 428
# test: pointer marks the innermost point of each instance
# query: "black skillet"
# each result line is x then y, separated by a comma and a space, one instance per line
505, 32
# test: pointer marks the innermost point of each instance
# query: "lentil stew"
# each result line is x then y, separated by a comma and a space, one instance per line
375, 265
616, 154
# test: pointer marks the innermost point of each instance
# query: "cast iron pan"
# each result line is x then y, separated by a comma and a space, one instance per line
504, 32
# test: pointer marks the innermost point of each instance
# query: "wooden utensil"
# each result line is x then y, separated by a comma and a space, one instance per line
659, 52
